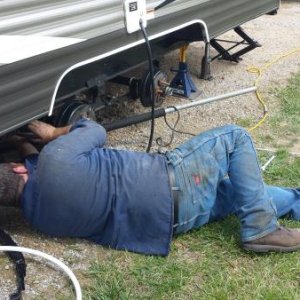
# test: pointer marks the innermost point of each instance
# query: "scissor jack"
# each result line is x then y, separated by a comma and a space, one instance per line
247, 43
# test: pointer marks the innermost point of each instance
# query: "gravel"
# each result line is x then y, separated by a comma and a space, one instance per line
278, 34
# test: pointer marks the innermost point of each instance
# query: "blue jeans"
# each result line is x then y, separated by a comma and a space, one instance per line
217, 174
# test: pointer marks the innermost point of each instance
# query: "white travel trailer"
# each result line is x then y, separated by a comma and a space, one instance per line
53, 50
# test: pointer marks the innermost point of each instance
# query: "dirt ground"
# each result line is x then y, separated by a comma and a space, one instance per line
278, 35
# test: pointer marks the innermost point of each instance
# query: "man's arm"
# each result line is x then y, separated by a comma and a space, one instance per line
70, 141
44, 133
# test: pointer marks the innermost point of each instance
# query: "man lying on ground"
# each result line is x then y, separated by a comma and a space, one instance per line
137, 201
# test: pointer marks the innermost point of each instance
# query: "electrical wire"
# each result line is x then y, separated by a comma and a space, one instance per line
260, 71
163, 4
52, 259
152, 93
159, 140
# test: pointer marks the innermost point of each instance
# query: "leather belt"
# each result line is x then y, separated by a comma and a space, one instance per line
175, 190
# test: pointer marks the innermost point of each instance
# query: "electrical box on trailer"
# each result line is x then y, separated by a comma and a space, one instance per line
135, 10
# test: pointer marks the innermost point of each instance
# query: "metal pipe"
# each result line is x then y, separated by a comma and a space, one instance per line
264, 167
160, 112
211, 99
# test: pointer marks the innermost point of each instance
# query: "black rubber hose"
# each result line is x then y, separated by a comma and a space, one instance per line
19, 261
163, 4
134, 120
151, 70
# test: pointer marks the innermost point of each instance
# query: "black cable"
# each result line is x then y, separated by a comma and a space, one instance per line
163, 4
151, 70
159, 140
19, 261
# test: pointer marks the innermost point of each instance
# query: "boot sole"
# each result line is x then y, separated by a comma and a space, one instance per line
270, 248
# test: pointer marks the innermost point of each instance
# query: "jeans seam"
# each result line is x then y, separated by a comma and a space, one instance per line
260, 174
208, 140
191, 219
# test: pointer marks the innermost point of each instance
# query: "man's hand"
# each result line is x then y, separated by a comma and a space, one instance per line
46, 132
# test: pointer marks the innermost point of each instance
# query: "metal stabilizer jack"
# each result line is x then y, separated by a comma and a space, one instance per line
161, 112
182, 84
248, 43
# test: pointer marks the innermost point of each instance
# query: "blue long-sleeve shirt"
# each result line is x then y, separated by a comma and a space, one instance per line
119, 199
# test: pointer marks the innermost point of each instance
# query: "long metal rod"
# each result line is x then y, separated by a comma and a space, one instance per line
264, 167
161, 112
211, 99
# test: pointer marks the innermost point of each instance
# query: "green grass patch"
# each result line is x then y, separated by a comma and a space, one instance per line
245, 122
282, 128
141, 277
283, 171
290, 100
204, 264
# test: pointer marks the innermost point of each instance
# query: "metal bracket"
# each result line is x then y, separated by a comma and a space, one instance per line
205, 64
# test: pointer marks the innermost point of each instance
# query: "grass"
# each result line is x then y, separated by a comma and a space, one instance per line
208, 263
285, 170
205, 264
290, 104
283, 127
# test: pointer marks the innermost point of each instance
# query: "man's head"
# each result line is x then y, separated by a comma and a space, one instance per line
11, 184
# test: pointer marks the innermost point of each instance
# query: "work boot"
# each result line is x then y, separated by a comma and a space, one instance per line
281, 240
